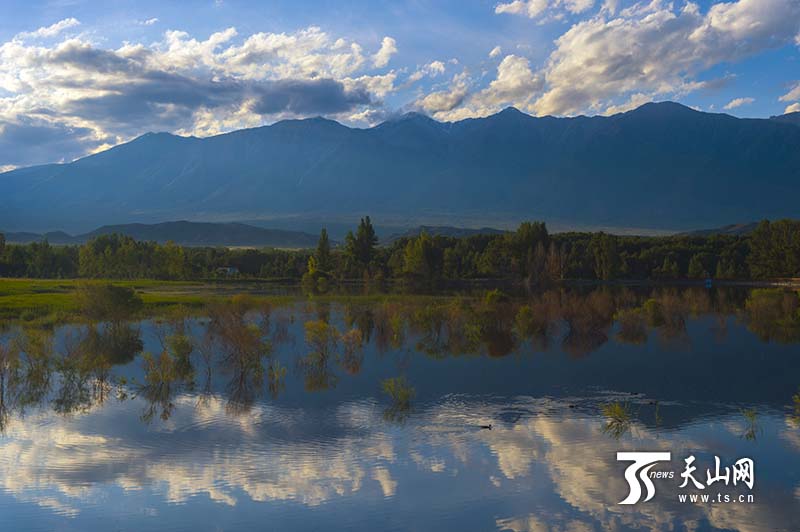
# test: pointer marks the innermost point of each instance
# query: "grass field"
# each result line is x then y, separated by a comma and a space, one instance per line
51, 301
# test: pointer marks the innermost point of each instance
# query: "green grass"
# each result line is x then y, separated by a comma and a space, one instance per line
47, 302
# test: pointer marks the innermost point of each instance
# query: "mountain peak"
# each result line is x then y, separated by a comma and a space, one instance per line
662, 108
414, 116
511, 111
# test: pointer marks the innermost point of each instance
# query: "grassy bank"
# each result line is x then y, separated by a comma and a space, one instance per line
52, 301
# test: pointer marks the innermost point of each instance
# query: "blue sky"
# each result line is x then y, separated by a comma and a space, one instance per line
79, 76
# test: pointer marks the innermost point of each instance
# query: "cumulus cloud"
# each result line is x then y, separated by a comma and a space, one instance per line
793, 108
37, 140
76, 96
738, 102
617, 59
657, 49
792, 95
514, 85
446, 100
387, 50
432, 69
50, 31
535, 8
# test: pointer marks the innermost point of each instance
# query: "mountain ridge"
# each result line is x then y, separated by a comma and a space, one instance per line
193, 234
662, 165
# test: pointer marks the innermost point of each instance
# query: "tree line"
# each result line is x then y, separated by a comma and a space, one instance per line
530, 254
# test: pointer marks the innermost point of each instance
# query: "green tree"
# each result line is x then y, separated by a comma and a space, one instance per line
107, 302
668, 270
419, 257
697, 269
527, 247
775, 249
606, 257
324, 263
174, 261
361, 246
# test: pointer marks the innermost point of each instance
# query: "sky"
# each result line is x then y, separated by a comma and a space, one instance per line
77, 77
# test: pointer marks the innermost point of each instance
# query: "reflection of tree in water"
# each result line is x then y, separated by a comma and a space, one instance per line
323, 310
619, 418
244, 346
360, 317
537, 320
669, 313
752, 426
496, 321
322, 338
352, 356
774, 315
428, 323
632, 326
84, 374
161, 384
113, 344
389, 326
36, 366
276, 375
280, 331
400, 394
795, 406
237, 337
9, 363
588, 319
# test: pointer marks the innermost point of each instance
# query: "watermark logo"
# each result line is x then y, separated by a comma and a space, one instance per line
639, 470
639, 475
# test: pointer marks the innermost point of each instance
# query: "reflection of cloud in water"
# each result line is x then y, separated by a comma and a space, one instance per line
278, 454
534, 523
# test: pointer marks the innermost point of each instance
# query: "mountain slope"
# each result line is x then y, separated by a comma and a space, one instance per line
732, 229
443, 230
184, 233
661, 166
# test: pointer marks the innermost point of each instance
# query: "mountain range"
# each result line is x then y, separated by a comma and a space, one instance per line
661, 166
183, 233
443, 230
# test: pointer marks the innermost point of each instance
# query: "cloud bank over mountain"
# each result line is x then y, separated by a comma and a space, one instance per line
66, 90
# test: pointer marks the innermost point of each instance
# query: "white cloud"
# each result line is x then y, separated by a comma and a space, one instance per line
50, 31
149, 22
432, 69
179, 84
738, 102
655, 49
529, 8
496, 51
636, 100
616, 60
792, 95
445, 100
535, 8
387, 50
514, 85
794, 108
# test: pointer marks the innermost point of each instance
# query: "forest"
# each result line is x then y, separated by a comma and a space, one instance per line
530, 254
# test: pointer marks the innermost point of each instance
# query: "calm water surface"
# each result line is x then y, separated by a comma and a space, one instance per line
306, 438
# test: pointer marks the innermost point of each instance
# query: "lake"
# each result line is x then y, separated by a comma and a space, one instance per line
459, 412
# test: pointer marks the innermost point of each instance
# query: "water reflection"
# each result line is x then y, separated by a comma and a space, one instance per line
371, 415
